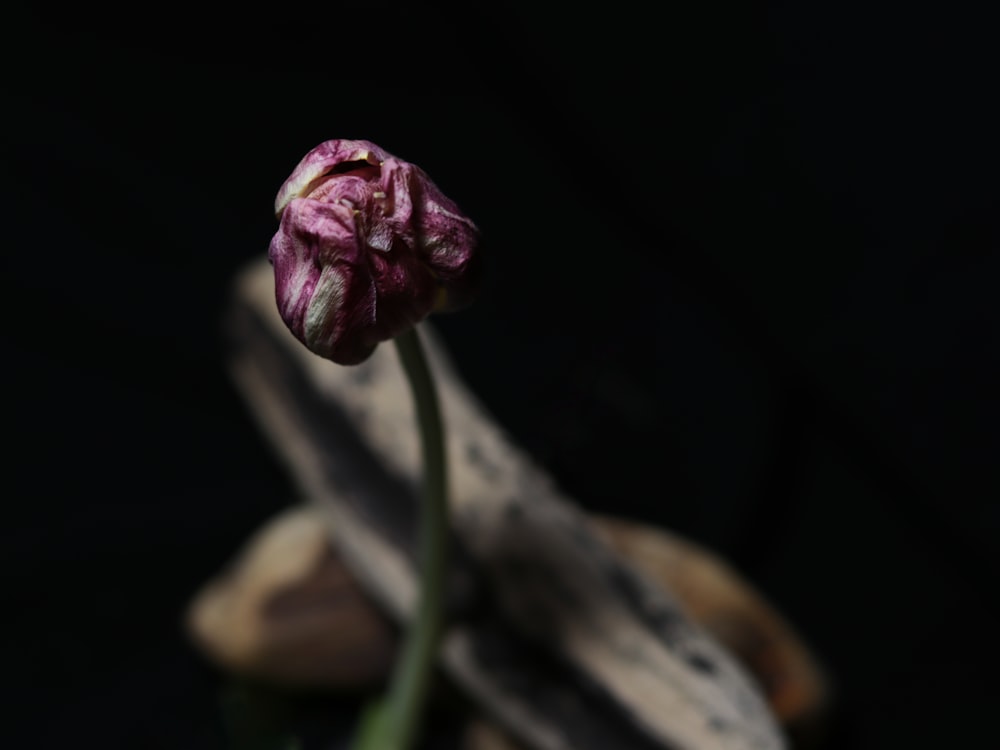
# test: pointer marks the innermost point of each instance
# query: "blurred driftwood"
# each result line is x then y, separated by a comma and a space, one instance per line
553, 636
287, 612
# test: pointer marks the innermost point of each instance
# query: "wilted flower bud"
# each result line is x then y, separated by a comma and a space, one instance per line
368, 246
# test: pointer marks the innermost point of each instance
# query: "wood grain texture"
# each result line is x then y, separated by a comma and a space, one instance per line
552, 634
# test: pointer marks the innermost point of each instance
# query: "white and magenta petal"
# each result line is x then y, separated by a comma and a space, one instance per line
367, 247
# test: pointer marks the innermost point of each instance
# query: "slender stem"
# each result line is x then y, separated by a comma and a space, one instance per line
397, 721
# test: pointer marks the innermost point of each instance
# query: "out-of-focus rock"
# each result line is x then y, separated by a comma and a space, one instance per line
286, 611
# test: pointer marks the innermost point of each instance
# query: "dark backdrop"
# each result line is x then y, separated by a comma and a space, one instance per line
742, 282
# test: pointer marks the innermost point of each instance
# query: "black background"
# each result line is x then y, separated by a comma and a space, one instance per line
742, 282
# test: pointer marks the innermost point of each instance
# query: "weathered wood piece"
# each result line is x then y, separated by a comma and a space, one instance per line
554, 636
287, 611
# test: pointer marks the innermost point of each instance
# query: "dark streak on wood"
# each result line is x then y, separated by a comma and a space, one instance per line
667, 623
477, 459
585, 716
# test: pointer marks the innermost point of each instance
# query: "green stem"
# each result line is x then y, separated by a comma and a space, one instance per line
396, 721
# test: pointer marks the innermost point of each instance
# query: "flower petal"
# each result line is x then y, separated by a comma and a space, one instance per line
320, 161
367, 247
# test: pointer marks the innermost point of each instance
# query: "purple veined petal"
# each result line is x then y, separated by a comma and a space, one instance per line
320, 161
398, 181
449, 246
339, 320
445, 239
367, 247
311, 236
355, 307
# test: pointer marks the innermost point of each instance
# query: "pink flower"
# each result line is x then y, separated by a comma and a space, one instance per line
368, 247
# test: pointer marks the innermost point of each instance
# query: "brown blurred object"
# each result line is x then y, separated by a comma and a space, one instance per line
288, 611
727, 606
483, 735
